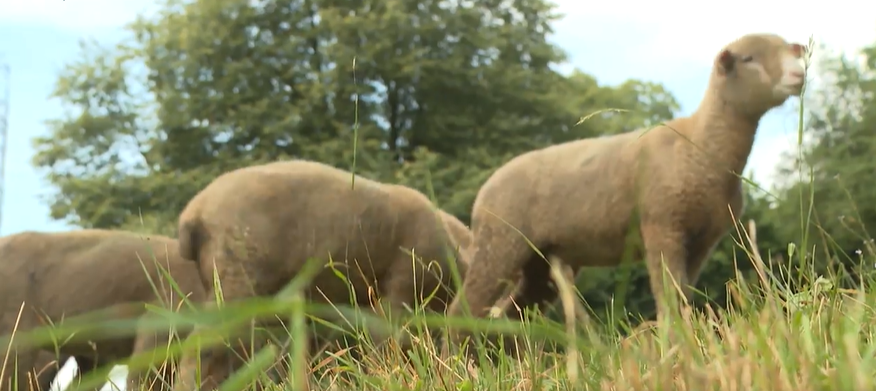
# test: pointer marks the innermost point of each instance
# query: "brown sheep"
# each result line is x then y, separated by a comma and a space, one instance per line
257, 226
66, 274
577, 200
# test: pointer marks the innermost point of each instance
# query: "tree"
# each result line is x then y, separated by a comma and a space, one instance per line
456, 90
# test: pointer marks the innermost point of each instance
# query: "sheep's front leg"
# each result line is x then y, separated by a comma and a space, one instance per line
666, 258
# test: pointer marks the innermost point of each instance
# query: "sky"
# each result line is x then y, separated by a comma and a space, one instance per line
671, 42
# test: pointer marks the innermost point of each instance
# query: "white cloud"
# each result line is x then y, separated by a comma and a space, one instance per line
694, 30
660, 37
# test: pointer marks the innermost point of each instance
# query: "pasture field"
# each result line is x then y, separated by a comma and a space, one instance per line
772, 338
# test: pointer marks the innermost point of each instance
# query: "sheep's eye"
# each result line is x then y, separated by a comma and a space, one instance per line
747, 59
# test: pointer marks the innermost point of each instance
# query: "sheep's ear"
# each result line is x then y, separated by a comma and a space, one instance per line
798, 50
725, 62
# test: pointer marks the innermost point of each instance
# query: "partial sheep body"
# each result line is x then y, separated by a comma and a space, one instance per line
66, 274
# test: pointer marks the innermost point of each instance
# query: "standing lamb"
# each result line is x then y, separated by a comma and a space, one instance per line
66, 274
577, 200
257, 226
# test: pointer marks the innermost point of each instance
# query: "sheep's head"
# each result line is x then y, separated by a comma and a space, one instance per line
758, 72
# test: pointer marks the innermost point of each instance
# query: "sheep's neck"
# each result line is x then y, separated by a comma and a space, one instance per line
722, 135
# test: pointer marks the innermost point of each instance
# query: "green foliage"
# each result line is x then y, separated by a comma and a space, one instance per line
830, 194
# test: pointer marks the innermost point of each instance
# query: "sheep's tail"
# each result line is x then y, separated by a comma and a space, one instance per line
190, 238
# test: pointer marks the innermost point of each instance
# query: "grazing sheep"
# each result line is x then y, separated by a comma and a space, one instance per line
257, 226
66, 274
577, 200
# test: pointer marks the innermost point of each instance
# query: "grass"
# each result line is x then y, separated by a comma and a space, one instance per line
771, 338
